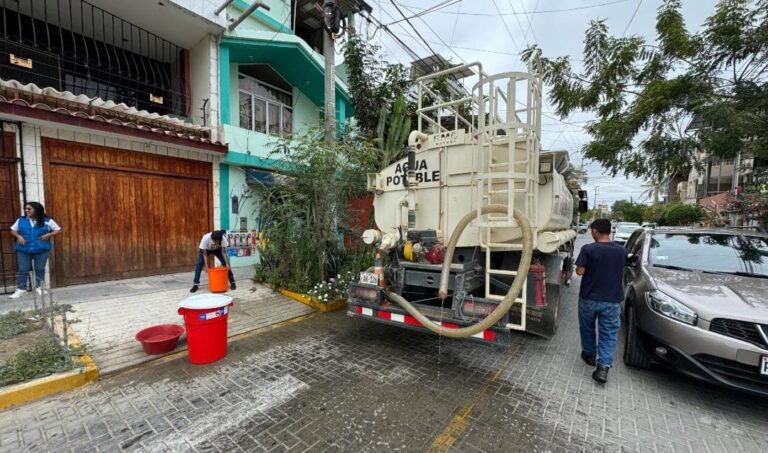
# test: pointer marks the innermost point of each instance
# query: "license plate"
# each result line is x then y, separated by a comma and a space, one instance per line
764, 365
369, 278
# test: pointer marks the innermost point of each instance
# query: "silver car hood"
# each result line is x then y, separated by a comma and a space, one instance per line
716, 295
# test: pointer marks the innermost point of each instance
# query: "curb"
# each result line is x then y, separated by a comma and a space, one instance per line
25, 392
235, 338
308, 301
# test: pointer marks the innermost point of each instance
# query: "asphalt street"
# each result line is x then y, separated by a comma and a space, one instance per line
332, 383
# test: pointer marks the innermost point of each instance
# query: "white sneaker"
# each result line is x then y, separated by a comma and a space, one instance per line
41, 291
18, 293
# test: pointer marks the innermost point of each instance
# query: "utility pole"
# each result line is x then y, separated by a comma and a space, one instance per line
331, 16
594, 212
329, 50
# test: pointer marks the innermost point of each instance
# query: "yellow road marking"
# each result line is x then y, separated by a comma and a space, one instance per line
458, 424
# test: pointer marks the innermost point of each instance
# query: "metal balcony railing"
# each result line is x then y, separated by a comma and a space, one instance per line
72, 45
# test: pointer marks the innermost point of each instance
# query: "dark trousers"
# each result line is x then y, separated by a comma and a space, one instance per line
26, 261
218, 253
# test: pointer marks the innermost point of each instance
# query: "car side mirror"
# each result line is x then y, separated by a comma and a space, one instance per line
631, 259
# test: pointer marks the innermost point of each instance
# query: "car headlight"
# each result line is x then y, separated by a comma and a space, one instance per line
671, 308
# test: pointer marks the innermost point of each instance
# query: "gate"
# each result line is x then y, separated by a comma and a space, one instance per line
9, 209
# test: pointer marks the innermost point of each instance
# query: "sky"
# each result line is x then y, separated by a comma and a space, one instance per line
473, 30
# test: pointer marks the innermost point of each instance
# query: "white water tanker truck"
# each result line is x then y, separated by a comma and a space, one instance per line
473, 234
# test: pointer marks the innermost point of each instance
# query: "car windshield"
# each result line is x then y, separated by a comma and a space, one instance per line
626, 228
727, 253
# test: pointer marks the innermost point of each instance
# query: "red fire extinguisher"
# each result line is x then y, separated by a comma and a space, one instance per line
538, 272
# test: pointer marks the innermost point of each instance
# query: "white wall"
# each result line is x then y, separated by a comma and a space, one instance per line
204, 75
200, 83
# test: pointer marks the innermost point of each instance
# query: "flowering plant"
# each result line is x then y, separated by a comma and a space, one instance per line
332, 290
750, 206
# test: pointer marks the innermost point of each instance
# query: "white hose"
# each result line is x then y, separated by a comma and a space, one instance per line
509, 298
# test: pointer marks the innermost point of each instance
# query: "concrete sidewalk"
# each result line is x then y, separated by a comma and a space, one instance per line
107, 315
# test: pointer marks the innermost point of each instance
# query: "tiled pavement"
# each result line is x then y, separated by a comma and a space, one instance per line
106, 316
331, 383
108, 328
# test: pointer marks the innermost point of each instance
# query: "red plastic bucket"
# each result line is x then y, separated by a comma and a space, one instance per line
218, 279
206, 333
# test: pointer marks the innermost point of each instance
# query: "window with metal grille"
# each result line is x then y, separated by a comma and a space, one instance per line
74, 46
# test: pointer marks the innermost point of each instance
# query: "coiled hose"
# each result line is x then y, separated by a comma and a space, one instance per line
509, 298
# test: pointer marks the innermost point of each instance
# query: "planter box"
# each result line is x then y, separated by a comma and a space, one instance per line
314, 303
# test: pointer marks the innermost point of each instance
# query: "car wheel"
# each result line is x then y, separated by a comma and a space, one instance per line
633, 353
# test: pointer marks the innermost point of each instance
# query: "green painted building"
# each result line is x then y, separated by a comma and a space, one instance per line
271, 83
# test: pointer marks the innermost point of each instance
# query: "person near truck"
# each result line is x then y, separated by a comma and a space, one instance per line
601, 267
212, 244
33, 232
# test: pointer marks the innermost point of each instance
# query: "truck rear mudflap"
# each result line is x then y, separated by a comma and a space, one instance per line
395, 316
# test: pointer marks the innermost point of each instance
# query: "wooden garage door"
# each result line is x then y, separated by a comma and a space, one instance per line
9, 211
124, 213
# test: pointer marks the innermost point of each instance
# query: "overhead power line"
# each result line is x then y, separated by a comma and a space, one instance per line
563, 10
631, 18
442, 42
530, 19
509, 32
517, 19
408, 21
431, 9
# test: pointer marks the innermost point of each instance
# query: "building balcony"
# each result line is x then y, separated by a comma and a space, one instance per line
123, 52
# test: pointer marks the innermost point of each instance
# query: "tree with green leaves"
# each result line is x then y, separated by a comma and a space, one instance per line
627, 211
679, 214
653, 213
657, 103
306, 207
374, 84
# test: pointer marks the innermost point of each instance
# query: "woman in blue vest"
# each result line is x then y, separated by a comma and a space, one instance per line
33, 232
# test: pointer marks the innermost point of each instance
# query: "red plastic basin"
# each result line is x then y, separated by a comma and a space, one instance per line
159, 339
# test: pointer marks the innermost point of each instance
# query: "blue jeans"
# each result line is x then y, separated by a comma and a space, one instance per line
25, 262
201, 263
608, 317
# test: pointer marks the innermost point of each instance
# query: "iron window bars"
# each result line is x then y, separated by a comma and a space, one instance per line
74, 46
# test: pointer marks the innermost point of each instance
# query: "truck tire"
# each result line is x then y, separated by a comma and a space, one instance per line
634, 355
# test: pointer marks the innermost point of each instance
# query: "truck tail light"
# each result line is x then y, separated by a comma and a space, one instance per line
369, 294
476, 309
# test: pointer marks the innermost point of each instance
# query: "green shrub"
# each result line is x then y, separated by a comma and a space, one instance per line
43, 358
15, 323
303, 212
679, 214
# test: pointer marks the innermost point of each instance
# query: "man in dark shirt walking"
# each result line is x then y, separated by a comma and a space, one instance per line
601, 266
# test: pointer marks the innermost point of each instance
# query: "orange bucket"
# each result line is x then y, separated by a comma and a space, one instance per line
218, 280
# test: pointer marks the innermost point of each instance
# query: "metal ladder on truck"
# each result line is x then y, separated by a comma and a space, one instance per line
508, 171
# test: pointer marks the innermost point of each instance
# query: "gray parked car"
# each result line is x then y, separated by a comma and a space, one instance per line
580, 228
697, 302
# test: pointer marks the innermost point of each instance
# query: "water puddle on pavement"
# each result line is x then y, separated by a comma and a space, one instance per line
439, 347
